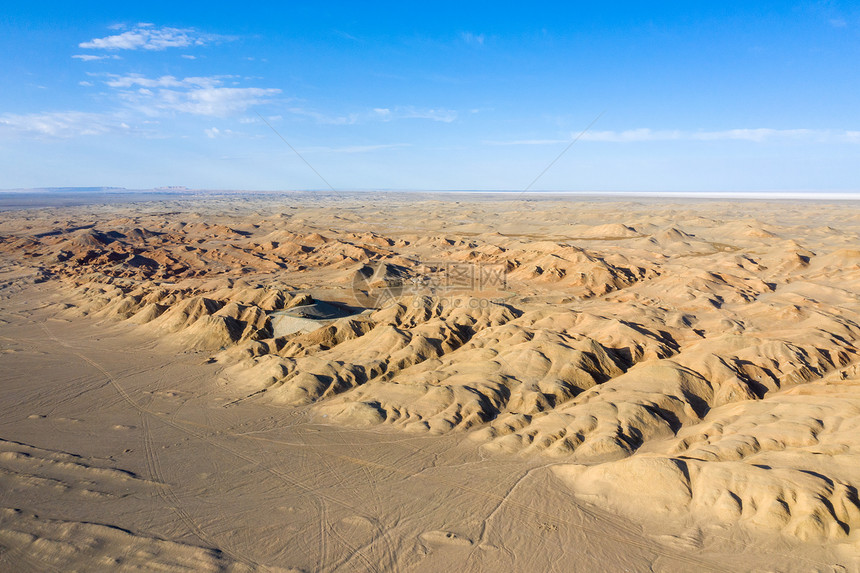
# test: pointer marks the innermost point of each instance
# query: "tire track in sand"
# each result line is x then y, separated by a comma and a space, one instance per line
163, 489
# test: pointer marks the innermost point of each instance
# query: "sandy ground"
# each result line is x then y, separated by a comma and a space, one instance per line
651, 385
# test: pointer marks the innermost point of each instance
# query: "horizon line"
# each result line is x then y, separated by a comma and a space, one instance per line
179, 190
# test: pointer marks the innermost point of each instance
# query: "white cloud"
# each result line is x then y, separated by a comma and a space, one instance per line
189, 57
63, 124
212, 101
355, 148
436, 114
271, 118
759, 134
207, 95
90, 57
194, 95
756, 135
527, 142
145, 36
379, 114
131, 80
411, 112
471, 38
212, 132
631, 135
346, 35
325, 118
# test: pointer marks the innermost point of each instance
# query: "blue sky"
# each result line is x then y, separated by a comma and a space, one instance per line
695, 96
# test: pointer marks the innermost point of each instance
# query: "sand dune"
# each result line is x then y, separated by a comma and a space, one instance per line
683, 366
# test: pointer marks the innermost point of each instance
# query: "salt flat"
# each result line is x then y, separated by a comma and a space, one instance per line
511, 382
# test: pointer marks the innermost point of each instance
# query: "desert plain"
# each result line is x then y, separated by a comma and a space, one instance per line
429, 382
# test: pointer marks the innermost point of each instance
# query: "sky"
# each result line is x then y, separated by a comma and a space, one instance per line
611, 96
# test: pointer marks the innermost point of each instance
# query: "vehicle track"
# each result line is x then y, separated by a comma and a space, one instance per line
388, 562
163, 489
191, 428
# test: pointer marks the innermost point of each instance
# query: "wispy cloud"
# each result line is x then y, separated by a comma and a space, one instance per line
760, 134
91, 57
214, 101
63, 124
378, 114
472, 38
755, 135
411, 112
197, 95
324, 118
527, 142
355, 148
632, 135
214, 132
144, 36
271, 118
346, 35
132, 80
